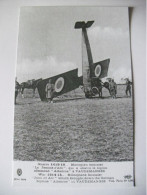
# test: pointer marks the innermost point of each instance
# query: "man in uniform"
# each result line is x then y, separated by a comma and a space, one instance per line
16, 89
113, 88
49, 89
128, 87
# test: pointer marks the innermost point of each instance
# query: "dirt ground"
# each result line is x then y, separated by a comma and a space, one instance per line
75, 130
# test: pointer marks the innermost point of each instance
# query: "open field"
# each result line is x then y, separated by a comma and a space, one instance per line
74, 130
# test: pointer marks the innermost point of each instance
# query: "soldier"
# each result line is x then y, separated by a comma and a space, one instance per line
113, 88
99, 86
128, 87
16, 89
49, 89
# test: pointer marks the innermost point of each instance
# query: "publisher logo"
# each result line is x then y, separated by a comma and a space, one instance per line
127, 176
19, 172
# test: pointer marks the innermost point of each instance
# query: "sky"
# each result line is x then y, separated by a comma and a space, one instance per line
49, 45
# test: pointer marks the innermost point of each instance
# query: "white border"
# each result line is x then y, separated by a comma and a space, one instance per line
30, 171
9, 16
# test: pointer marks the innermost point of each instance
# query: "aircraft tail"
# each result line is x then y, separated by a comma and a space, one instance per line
87, 59
83, 24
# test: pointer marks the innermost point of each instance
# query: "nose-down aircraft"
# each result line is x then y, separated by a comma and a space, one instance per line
91, 72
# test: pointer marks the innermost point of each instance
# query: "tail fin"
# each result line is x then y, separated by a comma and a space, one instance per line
83, 24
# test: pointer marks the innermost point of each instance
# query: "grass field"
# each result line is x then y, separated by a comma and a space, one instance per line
74, 130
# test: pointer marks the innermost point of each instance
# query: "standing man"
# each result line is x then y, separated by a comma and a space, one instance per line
113, 88
49, 89
128, 87
16, 89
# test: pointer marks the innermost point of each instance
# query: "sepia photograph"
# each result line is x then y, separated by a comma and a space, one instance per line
74, 98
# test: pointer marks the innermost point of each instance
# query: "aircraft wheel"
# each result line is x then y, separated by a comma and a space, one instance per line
88, 95
95, 90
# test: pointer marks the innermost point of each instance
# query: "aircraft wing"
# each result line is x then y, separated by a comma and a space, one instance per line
100, 69
63, 83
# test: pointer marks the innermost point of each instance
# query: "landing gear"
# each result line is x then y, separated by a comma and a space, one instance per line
88, 94
95, 91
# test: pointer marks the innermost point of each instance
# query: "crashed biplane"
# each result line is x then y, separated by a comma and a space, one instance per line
69, 81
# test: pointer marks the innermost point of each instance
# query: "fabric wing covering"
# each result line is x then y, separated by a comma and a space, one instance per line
63, 83
100, 69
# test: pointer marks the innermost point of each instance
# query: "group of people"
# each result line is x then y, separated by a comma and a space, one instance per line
50, 89
113, 88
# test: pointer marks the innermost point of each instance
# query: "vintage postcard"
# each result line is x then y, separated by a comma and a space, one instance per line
74, 119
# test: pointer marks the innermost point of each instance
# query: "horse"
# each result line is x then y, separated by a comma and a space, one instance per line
106, 85
30, 84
